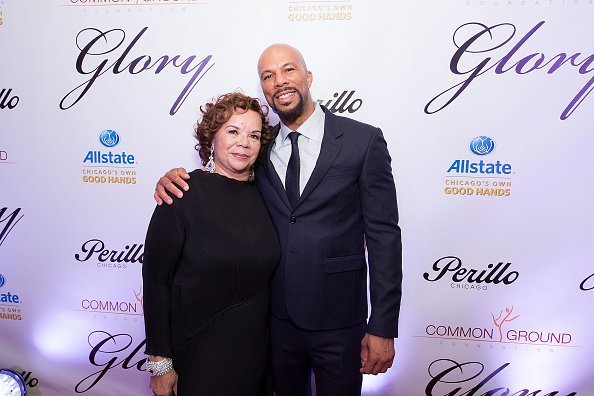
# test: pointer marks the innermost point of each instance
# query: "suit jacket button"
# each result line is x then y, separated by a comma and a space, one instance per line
293, 219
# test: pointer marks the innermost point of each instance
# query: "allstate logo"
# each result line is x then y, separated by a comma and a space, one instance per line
2, 280
482, 145
109, 138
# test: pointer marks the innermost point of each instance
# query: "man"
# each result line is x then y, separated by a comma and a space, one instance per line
330, 192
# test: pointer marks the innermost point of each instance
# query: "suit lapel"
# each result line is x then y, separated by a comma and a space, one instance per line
331, 146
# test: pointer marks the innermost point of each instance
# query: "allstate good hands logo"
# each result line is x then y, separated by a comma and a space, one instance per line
482, 145
2, 280
109, 138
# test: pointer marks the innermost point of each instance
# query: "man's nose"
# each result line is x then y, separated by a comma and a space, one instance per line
280, 80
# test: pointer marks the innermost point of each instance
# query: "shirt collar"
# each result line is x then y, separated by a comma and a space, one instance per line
312, 128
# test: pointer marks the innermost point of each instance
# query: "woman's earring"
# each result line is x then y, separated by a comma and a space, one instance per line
252, 174
210, 165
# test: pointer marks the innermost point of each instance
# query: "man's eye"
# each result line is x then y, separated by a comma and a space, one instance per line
266, 77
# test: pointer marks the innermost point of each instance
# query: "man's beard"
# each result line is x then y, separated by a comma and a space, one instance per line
290, 114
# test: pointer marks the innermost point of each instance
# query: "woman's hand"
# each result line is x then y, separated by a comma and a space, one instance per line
164, 385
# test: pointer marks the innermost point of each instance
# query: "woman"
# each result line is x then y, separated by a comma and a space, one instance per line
208, 261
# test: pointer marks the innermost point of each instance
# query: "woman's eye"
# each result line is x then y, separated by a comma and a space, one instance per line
233, 131
255, 137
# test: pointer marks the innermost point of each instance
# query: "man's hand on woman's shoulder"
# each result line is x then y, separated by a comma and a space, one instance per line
172, 182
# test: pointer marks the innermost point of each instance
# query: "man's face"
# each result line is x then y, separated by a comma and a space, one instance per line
285, 81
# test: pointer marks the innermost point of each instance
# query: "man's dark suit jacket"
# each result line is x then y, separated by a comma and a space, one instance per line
349, 201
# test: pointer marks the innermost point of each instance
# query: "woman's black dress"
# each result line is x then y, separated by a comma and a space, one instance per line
208, 262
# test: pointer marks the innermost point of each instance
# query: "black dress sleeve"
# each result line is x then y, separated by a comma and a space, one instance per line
162, 254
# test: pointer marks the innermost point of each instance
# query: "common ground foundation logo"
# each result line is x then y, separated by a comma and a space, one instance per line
132, 7
130, 307
96, 252
136, 3
10, 302
459, 276
107, 165
325, 11
500, 329
482, 175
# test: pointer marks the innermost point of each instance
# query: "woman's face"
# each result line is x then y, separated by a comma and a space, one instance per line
237, 144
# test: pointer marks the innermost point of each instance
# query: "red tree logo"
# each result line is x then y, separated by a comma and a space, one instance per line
501, 319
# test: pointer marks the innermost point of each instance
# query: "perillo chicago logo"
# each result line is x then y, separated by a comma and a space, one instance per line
94, 250
470, 278
342, 102
8, 100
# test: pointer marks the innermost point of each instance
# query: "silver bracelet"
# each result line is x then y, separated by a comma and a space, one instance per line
162, 367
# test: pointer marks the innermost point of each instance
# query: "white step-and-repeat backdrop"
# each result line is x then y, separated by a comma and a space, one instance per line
486, 109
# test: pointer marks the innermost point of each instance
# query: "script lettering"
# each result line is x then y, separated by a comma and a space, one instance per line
102, 44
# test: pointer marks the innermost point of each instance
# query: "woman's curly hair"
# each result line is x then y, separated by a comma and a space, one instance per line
215, 114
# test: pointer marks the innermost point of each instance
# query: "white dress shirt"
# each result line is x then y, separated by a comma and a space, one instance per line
310, 144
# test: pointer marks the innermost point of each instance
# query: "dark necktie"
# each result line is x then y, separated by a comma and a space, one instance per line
292, 177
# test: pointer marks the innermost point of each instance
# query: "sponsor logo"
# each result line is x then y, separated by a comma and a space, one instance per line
108, 352
9, 303
126, 308
308, 11
95, 251
107, 3
7, 99
476, 38
482, 145
8, 221
3, 157
470, 378
102, 52
107, 166
109, 138
588, 283
503, 331
462, 278
1, 15
342, 102
482, 178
